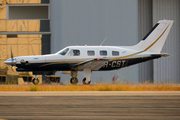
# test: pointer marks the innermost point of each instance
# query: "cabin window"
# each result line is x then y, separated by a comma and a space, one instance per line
103, 53
115, 53
74, 53
64, 51
90, 53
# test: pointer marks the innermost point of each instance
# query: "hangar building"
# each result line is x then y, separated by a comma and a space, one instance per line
31, 27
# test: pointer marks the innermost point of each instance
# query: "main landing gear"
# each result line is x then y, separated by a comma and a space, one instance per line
86, 80
35, 80
87, 75
74, 79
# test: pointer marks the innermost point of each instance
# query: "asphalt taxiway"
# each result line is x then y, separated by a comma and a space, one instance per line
90, 105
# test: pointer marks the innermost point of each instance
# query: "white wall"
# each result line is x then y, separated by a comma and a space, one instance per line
145, 25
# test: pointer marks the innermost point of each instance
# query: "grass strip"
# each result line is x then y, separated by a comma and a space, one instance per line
94, 87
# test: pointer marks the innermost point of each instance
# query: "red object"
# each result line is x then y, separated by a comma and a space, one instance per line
97, 58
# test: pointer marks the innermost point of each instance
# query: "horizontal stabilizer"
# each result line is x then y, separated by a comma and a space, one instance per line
161, 54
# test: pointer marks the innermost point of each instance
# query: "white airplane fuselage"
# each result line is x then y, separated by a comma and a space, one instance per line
114, 59
97, 58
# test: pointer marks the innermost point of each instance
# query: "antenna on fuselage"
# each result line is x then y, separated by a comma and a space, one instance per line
103, 41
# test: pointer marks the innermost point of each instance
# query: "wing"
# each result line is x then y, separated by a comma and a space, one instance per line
94, 64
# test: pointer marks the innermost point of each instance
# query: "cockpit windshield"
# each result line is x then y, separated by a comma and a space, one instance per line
63, 51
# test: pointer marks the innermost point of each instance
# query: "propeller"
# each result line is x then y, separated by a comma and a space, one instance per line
12, 56
12, 65
12, 59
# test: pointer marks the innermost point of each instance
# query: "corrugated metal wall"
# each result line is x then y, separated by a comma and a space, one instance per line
80, 22
145, 25
168, 69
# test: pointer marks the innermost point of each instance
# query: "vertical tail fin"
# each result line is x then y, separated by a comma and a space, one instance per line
156, 38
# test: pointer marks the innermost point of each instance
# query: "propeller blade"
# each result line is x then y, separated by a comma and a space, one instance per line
11, 53
12, 56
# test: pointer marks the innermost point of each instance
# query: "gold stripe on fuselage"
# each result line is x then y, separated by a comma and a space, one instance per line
60, 63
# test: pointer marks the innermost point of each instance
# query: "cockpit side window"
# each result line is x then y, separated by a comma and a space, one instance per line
63, 52
74, 52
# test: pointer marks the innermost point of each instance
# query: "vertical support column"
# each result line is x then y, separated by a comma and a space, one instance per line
145, 25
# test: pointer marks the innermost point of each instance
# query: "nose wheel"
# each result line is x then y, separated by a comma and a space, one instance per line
35, 81
74, 80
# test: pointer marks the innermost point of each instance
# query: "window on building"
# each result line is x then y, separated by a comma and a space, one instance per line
103, 53
115, 53
2, 78
90, 53
12, 36
28, 12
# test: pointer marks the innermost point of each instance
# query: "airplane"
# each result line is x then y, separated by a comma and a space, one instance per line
95, 58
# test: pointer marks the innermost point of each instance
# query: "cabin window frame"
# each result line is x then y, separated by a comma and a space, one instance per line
61, 52
73, 53
103, 51
91, 51
115, 53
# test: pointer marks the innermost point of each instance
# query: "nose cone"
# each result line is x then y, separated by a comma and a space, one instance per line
10, 62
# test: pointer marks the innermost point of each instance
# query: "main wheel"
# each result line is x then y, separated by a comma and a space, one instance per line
35, 81
74, 80
84, 82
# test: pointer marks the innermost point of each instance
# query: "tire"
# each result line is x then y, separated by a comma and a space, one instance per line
84, 82
35, 82
74, 81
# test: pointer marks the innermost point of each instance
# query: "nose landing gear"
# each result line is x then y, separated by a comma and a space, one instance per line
35, 81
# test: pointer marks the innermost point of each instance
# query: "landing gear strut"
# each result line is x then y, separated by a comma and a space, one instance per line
74, 79
35, 81
86, 80
87, 75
